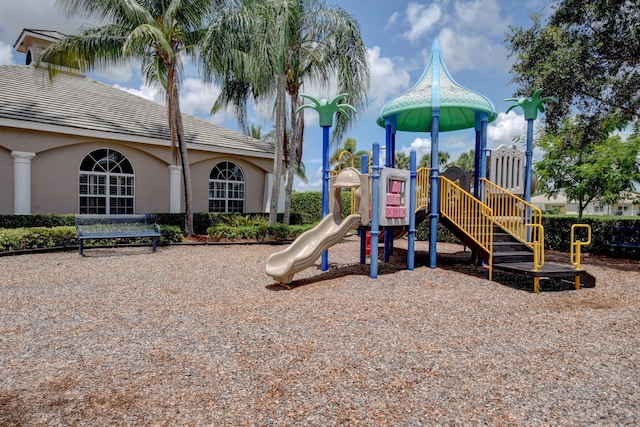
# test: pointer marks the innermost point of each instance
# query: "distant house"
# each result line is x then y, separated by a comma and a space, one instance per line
628, 206
75, 145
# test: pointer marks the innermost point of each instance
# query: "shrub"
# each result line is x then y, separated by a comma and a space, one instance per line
37, 237
308, 205
260, 233
17, 239
40, 220
170, 234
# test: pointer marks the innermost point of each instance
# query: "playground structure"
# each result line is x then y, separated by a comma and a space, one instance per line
388, 192
490, 215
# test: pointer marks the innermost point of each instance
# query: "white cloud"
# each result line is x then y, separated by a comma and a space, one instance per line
471, 52
40, 14
505, 128
480, 17
197, 97
392, 20
387, 81
6, 56
144, 92
119, 73
421, 19
421, 146
314, 180
470, 32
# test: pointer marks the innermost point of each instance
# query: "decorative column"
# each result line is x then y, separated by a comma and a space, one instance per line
22, 182
326, 110
434, 189
530, 107
175, 186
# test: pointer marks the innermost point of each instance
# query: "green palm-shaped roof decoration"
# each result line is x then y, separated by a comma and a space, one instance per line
326, 109
531, 106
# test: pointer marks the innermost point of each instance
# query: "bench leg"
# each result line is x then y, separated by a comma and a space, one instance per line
154, 244
80, 246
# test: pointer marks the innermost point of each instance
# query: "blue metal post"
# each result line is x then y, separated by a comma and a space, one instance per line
389, 162
484, 120
325, 187
528, 161
434, 190
412, 211
375, 202
362, 232
476, 158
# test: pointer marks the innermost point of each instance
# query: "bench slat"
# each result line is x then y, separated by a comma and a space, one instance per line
625, 236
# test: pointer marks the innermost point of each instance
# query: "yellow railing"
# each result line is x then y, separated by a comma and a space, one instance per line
469, 214
576, 247
519, 218
354, 208
422, 188
538, 246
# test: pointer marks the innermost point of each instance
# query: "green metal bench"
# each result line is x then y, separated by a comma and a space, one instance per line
97, 227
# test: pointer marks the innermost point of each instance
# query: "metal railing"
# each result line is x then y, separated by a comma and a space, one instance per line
422, 188
469, 214
354, 208
516, 216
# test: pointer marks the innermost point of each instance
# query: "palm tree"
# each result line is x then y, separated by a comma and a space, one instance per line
339, 162
255, 132
154, 32
466, 160
262, 48
443, 159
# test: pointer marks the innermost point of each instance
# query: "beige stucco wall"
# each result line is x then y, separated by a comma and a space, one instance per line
54, 172
6, 181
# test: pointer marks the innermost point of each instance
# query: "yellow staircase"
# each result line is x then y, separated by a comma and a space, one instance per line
504, 230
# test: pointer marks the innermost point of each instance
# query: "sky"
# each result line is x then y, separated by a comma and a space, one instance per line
398, 36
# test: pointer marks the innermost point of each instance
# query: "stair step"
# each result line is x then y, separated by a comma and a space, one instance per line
512, 257
504, 246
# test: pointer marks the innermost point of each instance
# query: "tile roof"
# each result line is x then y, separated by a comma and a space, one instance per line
80, 105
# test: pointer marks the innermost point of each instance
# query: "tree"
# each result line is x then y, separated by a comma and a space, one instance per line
602, 172
258, 48
466, 161
443, 159
154, 32
340, 162
403, 161
588, 54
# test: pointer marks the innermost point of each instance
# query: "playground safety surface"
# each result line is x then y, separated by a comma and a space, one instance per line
199, 335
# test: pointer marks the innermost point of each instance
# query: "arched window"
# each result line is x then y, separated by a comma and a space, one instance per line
226, 188
106, 183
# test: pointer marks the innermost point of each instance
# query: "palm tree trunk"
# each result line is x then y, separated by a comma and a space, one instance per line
178, 142
186, 172
281, 112
293, 157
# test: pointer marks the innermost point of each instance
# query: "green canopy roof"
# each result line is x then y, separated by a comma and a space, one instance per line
436, 90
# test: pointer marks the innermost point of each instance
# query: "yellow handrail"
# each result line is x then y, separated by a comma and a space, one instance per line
354, 208
576, 245
512, 213
469, 214
538, 246
422, 187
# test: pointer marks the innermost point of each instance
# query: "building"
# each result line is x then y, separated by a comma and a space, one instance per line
628, 206
76, 145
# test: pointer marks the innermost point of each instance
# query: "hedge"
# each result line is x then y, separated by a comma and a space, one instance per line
17, 239
51, 230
